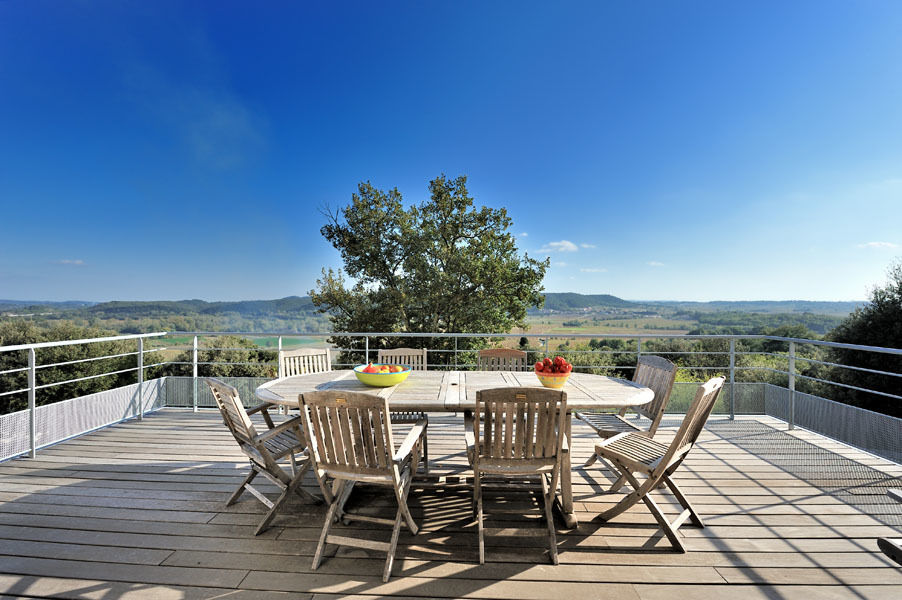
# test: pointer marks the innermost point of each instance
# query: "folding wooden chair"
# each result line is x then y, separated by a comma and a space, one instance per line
304, 361
632, 453
501, 359
517, 432
653, 372
264, 450
351, 441
411, 357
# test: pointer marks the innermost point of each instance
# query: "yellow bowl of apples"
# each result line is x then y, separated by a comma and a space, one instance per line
378, 375
553, 372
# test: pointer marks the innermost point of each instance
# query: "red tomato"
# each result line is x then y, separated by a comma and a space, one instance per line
539, 366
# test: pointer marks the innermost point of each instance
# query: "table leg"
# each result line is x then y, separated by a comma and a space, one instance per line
564, 502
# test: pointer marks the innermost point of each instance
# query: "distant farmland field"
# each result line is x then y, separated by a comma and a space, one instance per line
574, 324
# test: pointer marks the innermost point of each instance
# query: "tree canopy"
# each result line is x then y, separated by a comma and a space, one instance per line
878, 323
444, 265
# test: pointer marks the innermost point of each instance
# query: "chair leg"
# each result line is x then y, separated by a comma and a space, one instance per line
548, 496
330, 514
643, 491
480, 531
402, 514
343, 495
272, 512
425, 454
292, 487
684, 501
665, 525
404, 509
295, 484
237, 493
477, 515
639, 491
617, 484
390, 559
591, 461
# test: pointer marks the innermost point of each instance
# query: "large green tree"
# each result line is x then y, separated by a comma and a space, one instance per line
878, 323
444, 265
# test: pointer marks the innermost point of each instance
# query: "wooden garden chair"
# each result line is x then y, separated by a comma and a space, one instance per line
517, 432
264, 450
410, 357
351, 441
304, 361
501, 359
633, 452
652, 372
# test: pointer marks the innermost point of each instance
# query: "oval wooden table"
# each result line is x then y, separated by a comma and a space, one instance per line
452, 391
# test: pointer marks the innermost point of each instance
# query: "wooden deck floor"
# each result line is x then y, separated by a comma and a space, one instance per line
137, 510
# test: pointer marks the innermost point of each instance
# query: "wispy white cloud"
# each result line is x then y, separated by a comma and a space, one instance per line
524, 234
560, 263
654, 263
588, 246
207, 116
878, 245
561, 246
593, 270
70, 261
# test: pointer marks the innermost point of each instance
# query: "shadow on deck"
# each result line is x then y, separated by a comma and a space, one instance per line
137, 510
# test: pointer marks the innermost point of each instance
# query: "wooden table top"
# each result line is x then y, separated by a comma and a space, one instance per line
456, 390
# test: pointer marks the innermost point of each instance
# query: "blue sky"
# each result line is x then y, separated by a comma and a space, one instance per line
655, 150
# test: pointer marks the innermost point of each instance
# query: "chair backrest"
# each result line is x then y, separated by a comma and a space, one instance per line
658, 374
695, 419
304, 361
501, 359
520, 423
233, 411
411, 357
348, 432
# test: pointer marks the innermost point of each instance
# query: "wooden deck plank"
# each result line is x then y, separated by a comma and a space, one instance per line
138, 510
19, 586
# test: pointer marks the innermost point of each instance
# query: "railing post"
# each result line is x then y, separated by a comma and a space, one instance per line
366, 349
194, 375
792, 385
546, 346
732, 379
32, 434
638, 348
455, 353
141, 379
280, 373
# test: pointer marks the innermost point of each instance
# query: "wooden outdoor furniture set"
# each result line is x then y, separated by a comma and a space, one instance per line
512, 431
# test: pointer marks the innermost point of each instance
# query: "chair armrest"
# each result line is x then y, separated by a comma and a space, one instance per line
413, 438
264, 408
292, 423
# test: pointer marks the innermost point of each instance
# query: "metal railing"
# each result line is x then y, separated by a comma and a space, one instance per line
32, 369
728, 350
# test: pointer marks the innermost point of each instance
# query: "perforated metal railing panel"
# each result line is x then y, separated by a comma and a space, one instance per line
180, 390
62, 420
845, 479
877, 433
